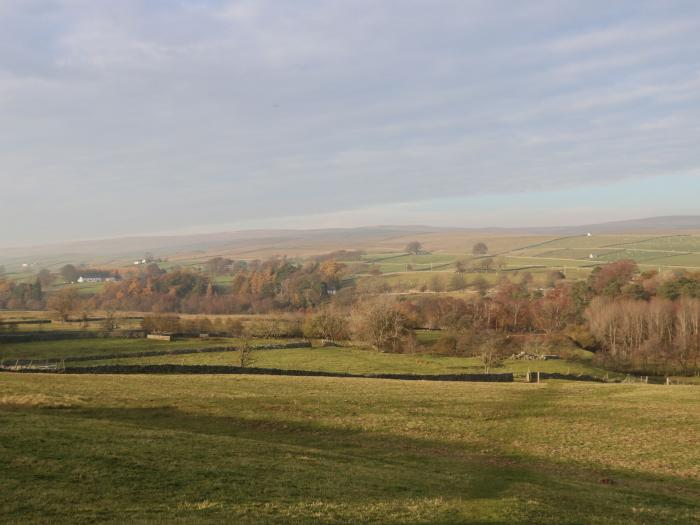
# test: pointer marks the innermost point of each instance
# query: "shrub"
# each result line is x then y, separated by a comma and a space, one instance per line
161, 324
383, 326
446, 345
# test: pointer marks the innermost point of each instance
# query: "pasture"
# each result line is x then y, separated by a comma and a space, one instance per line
95, 346
250, 449
358, 360
574, 255
348, 358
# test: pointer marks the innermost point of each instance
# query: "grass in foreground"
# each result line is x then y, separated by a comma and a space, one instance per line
213, 449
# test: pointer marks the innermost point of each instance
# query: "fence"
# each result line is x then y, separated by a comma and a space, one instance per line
217, 369
536, 377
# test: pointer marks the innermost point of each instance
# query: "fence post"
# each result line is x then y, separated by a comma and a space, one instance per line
538, 377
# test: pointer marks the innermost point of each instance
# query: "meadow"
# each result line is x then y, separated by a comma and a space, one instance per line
248, 449
359, 360
348, 357
95, 346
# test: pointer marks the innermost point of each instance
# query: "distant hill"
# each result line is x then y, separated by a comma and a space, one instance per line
670, 224
264, 243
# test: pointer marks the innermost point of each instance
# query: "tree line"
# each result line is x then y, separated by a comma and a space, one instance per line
633, 320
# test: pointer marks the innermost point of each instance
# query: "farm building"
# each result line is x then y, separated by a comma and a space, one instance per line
98, 277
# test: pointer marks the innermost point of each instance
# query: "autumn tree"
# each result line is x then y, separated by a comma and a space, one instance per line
551, 312
611, 278
161, 324
329, 325
64, 302
331, 270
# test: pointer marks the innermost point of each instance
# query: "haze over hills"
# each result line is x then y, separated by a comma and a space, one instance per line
261, 243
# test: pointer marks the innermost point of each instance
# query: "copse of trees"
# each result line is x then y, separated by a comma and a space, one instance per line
636, 321
218, 266
69, 273
258, 287
658, 336
327, 324
21, 296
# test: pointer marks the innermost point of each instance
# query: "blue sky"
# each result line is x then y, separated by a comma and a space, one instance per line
137, 117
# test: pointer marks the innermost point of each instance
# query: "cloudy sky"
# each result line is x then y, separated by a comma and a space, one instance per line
133, 117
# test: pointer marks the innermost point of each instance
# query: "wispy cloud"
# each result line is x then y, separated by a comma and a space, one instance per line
119, 117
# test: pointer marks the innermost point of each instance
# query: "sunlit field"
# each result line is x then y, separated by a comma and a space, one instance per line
244, 449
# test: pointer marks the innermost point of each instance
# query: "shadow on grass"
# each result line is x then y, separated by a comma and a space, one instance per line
391, 465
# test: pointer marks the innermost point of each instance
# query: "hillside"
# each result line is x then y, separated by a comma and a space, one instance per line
252, 244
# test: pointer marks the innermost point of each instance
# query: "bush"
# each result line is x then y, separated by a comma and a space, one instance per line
446, 345
233, 327
327, 325
159, 324
582, 337
384, 327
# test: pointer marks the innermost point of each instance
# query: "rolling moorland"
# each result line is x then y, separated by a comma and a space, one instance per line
610, 320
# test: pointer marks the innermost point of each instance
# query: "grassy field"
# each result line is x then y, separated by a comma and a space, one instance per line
97, 346
540, 255
366, 361
246, 449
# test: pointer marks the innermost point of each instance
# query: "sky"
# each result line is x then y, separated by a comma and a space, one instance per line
166, 116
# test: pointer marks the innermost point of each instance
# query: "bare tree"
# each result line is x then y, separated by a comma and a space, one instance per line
110, 322
491, 356
383, 326
246, 354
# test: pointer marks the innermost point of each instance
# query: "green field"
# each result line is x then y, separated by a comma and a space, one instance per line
97, 346
247, 449
346, 359
366, 361
571, 254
